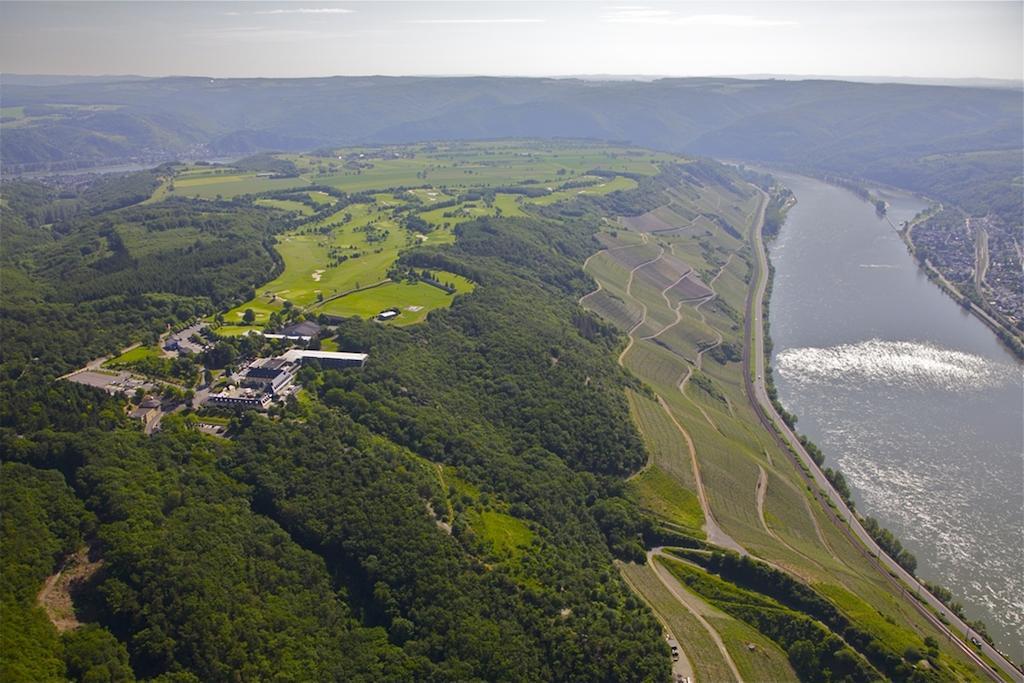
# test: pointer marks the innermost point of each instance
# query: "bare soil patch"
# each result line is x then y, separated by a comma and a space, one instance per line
58, 594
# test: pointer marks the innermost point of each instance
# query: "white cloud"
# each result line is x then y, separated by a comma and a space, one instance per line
650, 15
477, 21
307, 10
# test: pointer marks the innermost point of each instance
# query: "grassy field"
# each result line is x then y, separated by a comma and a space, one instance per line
601, 187
661, 493
413, 300
211, 186
338, 265
287, 205
508, 535
443, 169
757, 657
134, 355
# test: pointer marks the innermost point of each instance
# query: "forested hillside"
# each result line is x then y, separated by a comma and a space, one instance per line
462, 508
82, 276
450, 514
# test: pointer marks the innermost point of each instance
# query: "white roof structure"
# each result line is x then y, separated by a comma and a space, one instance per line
290, 337
297, 355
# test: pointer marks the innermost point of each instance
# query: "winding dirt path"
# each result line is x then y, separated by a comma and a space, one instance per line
697, 607
629, 293
682, 668
714, 532
700, 352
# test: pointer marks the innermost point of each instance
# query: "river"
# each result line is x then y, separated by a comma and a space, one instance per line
916, 400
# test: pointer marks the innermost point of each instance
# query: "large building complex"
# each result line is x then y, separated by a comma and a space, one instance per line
269, 378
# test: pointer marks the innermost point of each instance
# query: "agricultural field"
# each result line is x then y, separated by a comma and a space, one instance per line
134, 355
675, 280
338, 263
693, 637
287, 205
594, 185
228, 185
444, 169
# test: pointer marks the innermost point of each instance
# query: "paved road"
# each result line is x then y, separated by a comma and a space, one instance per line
759, 397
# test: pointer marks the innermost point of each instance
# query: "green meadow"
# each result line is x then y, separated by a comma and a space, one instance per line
211, 186
414, 300
433, 170
338, 264
287, 205
134, 355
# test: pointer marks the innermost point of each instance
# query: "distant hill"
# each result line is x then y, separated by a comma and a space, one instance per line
891, 133
775, 119
57, 79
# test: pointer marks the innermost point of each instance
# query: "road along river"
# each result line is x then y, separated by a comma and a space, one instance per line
914, 399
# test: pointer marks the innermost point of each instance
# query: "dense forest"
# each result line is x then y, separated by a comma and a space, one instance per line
450, 513
84, 275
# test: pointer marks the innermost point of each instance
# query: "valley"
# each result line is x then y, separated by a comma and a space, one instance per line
616, 278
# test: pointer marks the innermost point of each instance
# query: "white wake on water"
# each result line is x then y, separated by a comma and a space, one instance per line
893, 363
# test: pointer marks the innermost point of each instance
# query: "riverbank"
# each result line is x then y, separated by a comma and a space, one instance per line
1005, 335
844, 293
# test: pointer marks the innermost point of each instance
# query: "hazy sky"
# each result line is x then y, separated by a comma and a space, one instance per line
297, 38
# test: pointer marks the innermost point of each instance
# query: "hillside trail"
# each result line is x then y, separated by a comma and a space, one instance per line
697, 607
682, 668
714, 532
606, 250
643, 306
699, 362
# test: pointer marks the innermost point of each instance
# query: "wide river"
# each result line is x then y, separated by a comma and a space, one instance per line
913, 398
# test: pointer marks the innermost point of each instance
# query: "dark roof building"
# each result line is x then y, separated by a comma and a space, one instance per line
307, 328
327, 359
